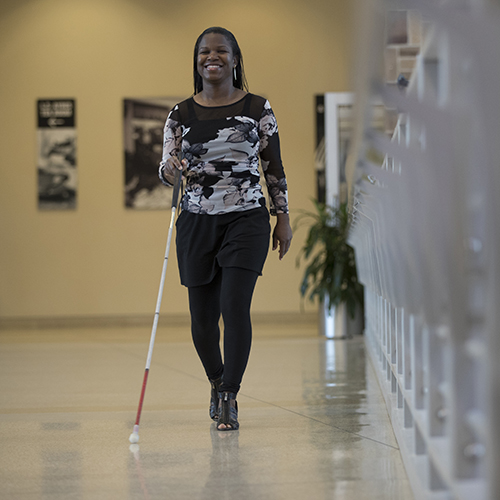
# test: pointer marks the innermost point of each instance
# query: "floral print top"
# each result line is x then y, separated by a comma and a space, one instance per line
222, 145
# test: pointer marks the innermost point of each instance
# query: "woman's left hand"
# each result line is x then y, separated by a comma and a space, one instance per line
282, 234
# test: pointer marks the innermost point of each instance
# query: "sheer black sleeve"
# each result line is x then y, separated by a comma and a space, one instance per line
270, 156
172, 138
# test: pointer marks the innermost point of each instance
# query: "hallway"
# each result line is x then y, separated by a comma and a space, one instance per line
313, 421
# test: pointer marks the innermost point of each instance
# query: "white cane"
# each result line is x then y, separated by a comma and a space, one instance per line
134, 437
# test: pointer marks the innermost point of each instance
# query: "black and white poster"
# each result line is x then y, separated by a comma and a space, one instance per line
56, 162
143, 121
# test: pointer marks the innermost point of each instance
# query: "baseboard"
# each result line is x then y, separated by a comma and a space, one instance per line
139, 320
54, 322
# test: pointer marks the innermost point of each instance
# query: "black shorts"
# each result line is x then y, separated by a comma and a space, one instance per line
205, 243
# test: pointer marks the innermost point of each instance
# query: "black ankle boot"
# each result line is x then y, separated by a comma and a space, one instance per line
228, 413
213, 410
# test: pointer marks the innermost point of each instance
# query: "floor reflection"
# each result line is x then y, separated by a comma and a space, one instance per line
138, 487
313, 425
336, 389
62, 469
62, 474
225, 472
153, 474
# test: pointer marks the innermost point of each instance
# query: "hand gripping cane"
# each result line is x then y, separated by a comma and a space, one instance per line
134, 437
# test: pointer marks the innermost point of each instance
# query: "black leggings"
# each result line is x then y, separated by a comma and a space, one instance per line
230, 294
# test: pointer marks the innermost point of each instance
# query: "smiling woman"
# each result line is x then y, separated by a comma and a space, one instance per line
215, 58
223, 230
218, 41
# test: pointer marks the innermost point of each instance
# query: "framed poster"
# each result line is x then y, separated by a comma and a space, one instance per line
143, 122
56, 154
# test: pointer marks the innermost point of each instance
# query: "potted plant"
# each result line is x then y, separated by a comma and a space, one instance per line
330, 273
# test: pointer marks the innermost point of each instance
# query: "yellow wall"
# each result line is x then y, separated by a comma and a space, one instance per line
102, 259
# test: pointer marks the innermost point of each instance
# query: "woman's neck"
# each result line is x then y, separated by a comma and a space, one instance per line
218, 95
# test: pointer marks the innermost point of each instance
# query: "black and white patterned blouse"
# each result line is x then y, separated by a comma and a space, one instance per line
222, 145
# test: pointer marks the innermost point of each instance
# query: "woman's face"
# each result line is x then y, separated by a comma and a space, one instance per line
215, 58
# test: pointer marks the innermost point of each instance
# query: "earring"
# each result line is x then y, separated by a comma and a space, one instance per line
235, 77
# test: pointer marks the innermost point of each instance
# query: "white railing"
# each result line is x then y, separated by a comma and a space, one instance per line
426, 228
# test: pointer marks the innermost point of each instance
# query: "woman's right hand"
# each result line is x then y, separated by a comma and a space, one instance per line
171, 166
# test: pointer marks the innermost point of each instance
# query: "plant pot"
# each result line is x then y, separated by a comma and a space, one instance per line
335, 323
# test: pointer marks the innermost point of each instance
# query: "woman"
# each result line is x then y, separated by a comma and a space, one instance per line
223, 229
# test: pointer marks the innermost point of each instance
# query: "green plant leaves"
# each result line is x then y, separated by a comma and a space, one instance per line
330, 272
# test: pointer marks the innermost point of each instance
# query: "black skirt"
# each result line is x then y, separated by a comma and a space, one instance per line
206, 243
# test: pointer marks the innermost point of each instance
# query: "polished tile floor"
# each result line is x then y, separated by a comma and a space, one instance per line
313, 421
